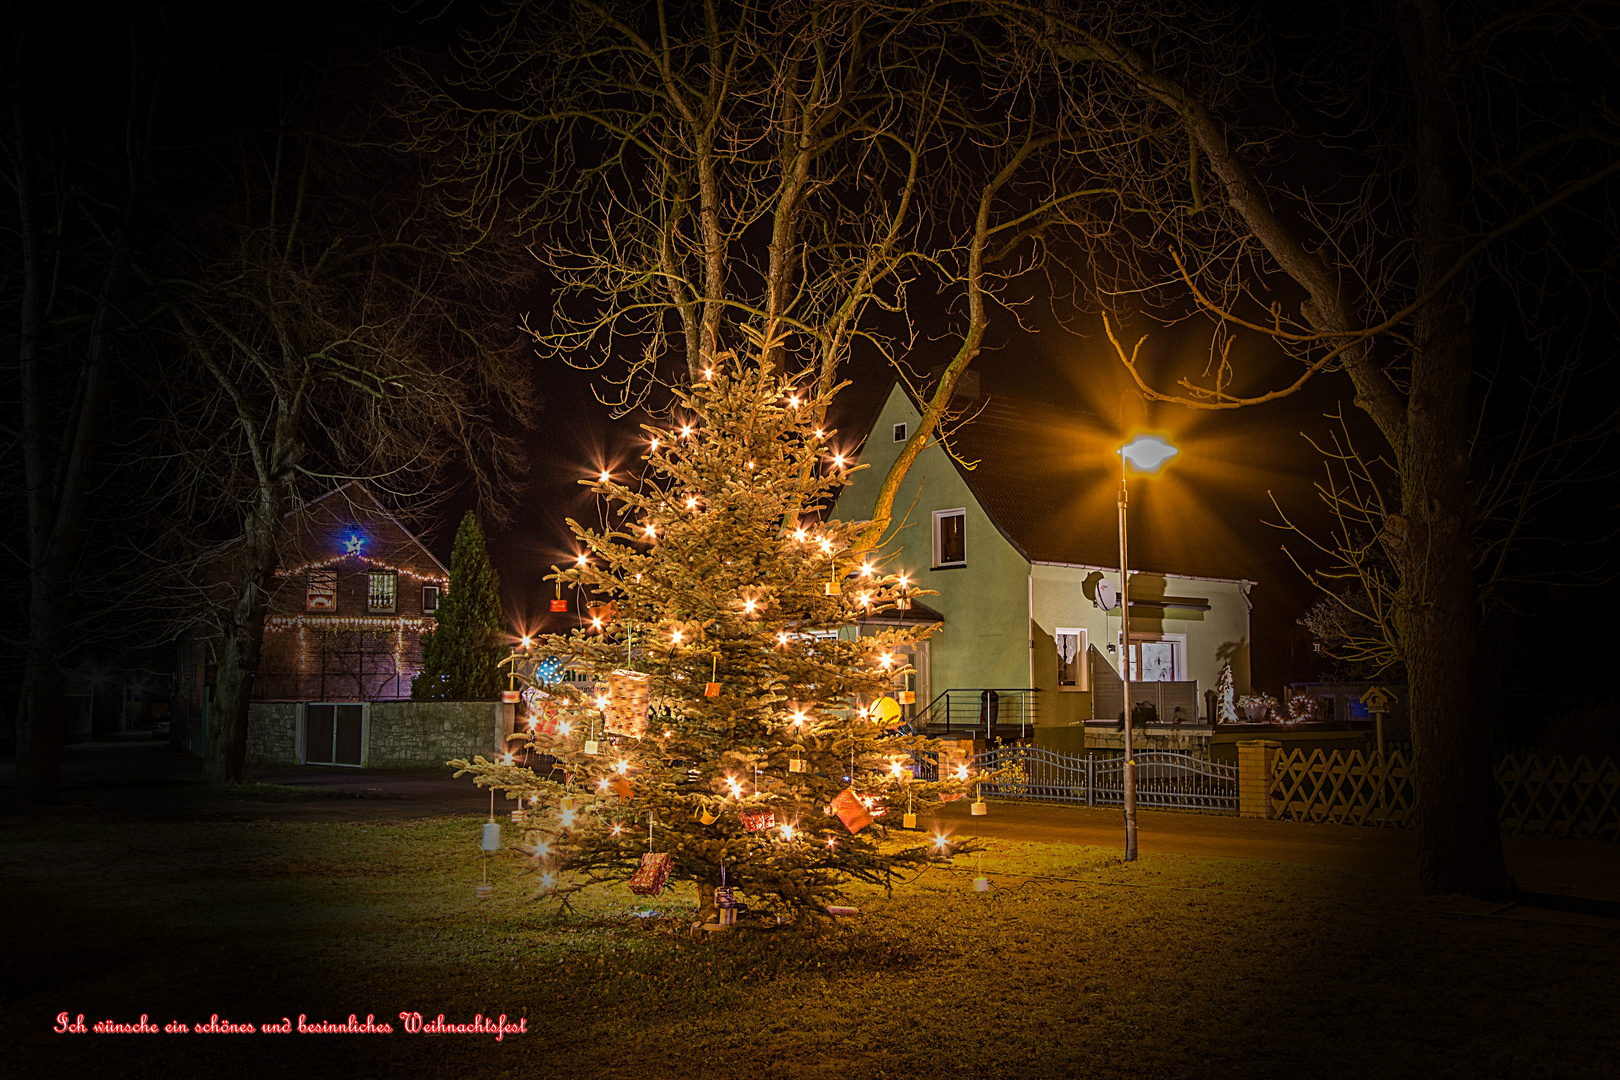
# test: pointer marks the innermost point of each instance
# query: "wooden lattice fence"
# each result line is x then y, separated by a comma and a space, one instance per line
1538, 797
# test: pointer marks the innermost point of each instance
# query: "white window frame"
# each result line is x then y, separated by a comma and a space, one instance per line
900, 431
940, 516
438, 598
1179, 654
1082, 657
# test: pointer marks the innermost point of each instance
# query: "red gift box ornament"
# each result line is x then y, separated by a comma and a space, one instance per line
650, 877
559, 604
851, 811
757, 821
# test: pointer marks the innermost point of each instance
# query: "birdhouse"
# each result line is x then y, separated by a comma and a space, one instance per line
1377, 699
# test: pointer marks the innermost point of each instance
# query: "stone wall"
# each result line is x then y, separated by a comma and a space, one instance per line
272, 733
426, 734
399, 734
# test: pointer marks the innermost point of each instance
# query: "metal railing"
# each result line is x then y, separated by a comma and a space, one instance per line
1165, 779
991, 710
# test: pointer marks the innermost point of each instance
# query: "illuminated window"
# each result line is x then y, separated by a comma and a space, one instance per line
1072, 670
950, 538
321, 592
382, 592
430, 599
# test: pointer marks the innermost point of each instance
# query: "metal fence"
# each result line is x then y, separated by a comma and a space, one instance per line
1165, 779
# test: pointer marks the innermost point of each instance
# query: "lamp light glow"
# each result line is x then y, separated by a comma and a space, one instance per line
1146, 453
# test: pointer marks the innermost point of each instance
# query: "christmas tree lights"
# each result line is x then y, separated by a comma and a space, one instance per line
731, 687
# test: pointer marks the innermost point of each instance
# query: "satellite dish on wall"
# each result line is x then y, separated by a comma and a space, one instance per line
1107, 595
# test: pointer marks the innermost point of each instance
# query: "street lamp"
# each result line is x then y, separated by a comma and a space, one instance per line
1146, 454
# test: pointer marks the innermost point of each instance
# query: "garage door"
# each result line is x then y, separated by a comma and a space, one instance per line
333, 734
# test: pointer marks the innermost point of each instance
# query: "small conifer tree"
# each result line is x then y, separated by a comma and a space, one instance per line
733, 610
461, 656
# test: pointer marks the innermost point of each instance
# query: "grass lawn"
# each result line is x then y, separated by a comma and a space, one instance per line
1073, 964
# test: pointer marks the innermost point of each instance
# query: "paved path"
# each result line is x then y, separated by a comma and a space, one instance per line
140, 776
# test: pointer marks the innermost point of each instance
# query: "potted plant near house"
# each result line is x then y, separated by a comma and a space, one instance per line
1255, 706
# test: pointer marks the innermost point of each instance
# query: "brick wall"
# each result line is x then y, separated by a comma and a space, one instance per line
1256, 758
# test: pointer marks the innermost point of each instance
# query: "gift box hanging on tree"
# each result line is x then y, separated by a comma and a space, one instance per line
651, 876
629, 694
757, 820
851, 811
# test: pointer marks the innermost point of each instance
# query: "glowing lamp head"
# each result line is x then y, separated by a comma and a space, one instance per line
736, 786
782, 638
596, 622
602, 702
565, 727
506, 758
691, 503
542, 849
686, 431
548, 881
838, 461
749, 606
886, 661
1146, 453
534, 722
898, 769
602, 784
617, 829
528, 642
798, 534
622, 766
826, 546
605, 477
708, 373
819, 433
866, 569
651, 531
905, 582
655, 444
581, 560
939, 841
568, 818
676, 636
798, 717
787, 832
793, 401
961, 772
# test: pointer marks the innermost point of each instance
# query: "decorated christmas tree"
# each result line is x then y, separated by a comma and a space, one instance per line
723, 721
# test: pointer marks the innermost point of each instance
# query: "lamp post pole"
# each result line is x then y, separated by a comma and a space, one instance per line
1125, 667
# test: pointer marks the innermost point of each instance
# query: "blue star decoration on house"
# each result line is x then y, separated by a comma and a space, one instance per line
354, 543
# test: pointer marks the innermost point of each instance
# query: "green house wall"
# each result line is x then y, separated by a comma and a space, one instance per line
1000, 610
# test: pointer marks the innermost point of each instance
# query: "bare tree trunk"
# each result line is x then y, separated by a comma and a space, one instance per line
244, 638
1458, 835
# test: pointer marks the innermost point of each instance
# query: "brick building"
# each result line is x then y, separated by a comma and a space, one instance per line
354, 594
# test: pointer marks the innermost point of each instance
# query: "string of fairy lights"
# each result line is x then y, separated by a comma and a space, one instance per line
852, 584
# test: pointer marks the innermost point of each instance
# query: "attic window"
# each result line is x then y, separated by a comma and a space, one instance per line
900, 432
950, 538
